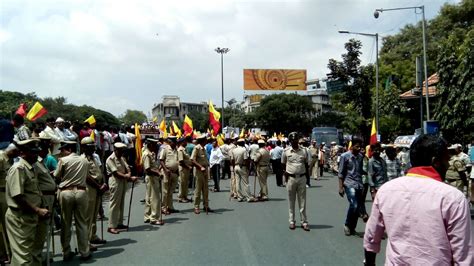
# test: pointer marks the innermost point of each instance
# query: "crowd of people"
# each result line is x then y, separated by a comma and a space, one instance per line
58, 173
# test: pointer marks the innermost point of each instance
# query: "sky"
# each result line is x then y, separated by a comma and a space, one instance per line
121, 54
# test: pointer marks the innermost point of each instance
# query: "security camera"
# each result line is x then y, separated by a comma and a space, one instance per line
376, 14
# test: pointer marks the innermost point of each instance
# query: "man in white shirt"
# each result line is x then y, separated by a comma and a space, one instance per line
63, 132
275, 157
215, 163
49, 132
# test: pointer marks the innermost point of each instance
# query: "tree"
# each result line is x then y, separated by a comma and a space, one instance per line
456, 86
355, 98
131, 117
285, 113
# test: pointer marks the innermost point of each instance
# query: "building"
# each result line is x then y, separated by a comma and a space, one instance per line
316, 92
173, 109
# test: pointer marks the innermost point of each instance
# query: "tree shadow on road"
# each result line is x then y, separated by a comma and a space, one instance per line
174, 220
118, 242
144, 227
320, 226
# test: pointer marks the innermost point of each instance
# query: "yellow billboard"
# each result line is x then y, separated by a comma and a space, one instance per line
275, 79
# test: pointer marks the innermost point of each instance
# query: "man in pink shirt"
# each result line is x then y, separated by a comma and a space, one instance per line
427, 221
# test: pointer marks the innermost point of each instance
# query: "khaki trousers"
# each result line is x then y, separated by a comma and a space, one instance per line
169, 184
152, 198
74, 203
118, 188
201, 187
3, 210
262, 174
296, 187
313, 169
43, 227
22, 228
183, 183
233, 183
92, 212
242, 182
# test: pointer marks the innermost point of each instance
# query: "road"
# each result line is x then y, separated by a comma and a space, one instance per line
238, 233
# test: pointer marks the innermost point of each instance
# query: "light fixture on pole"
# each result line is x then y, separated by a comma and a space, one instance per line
376, 36
422, 8
222, 51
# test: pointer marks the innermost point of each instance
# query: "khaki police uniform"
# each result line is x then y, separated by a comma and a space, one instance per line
4, 166
94, 196
184, 172
73, 198
456, 165
199, 155
233, 184
313, 169
153, 184
48, 190
240, 156
21, 224
118, 188
262, 160
170, 157
296, 161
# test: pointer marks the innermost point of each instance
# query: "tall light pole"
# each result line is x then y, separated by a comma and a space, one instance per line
222, 51
376, 36
422, 8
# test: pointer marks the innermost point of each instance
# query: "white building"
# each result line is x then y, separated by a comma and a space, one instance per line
173, 109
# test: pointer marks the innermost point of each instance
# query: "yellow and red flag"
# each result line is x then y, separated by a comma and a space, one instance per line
220, 139
162, 126
90, 120
176, 130
92, 135
187, 126
214, 118
373, 133
138, 148
36, 112
242, 133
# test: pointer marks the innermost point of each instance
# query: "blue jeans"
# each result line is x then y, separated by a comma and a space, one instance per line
356, 207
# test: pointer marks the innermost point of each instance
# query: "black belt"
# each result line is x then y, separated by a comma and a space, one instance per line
294, 175
49, 193
263, 165
72, 188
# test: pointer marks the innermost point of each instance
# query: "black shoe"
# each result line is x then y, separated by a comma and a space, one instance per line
121, 226
88, 257
68, 257
92, 248
98, 241
147, 221
174, 211
142, 201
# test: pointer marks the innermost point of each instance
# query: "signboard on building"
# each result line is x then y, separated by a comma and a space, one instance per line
256, 98
334, 86
275, 79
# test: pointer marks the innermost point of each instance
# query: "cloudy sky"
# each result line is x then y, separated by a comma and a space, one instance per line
122, 54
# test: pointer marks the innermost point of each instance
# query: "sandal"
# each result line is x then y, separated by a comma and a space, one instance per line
197, 211
292, 226
305, 226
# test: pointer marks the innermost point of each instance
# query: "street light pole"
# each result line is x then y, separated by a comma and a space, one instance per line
222, 51
376, 36
376, 15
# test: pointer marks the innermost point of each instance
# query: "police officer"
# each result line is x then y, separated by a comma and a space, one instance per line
153, 183
233, 185
240, 162
72, 172
95, 188
6, 161
313, 150
119, 174
201, 163
48, 188
262, 161
185, 166
295, 163
456, 175
24, 202
169, 164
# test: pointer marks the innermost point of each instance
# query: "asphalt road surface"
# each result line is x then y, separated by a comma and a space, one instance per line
237, 233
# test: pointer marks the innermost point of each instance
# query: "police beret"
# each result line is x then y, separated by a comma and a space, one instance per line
28, 145
66, 143
293, 136
87, 141
261, 141
119, 145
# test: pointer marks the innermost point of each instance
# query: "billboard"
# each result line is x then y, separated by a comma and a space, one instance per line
275, 79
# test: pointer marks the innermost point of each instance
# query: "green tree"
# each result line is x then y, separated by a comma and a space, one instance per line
285, 113
131, 117
456, 86
355, 98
